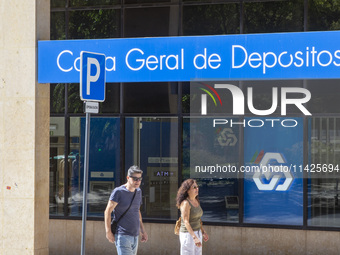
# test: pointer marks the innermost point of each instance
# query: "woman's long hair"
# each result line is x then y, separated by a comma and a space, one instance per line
182, 192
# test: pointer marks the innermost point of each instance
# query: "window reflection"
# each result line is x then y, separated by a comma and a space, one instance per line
263, 97
58, 26
323, 15
192, 102
104, 170
57, 95
152, 144
153, 97
85, 25
157, 21
203, 146
324, 190
211, 19
147, 1
66, 173
58, 3
57, 164
92, 2
273, 16
110, 105
324, 96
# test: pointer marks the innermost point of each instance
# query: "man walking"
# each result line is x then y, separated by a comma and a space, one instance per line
130, 224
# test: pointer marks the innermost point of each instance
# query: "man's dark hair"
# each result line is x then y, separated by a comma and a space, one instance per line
134, 170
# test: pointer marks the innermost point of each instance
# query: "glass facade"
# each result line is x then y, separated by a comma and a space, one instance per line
323, 193
152, 143
204, 145
67, 163
158, 126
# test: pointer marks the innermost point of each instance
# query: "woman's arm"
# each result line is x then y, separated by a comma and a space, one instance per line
205, 235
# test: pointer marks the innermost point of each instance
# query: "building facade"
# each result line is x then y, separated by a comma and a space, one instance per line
24, 125
151, 123
158, 126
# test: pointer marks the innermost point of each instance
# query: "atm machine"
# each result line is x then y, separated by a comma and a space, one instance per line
162, 190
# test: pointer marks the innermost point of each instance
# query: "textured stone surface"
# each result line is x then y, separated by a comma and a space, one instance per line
65, 237
24, 129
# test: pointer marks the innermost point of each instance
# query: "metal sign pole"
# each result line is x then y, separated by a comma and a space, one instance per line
90, 62
86, 171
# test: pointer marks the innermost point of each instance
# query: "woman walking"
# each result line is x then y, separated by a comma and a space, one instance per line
191, 231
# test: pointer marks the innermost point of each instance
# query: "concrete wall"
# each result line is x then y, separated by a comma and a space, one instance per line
65, 239
24, 129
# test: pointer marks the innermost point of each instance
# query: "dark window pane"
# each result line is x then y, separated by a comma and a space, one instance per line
323, 15
112, 99
324, 209
185, 97
147, 1
75, 105
58, 3
325, 96
154, 97
192, 97
205, 146
211, 19
323, 188
110, 105
58, 26
104, 170
263, 98
160, 21
274, 16
57, 165
57, 98
94, 24
74, 3
214, 1
152, 144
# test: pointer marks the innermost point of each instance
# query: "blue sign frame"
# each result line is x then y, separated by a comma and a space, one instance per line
92, 76
303, 55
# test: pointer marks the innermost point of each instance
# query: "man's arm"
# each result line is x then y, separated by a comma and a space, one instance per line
144, 235
107, 219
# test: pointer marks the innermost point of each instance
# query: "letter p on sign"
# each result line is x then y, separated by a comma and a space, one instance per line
92, 76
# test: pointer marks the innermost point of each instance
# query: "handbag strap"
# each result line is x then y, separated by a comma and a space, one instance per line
129, 206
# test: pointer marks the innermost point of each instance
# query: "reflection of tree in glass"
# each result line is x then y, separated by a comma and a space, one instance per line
324, 15
75, 105
57, 101
211, 19
58, 26
94, 24
273, 16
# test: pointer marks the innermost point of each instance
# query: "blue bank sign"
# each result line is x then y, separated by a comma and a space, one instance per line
305, 55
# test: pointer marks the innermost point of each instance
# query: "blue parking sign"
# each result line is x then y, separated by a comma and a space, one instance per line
92, 76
